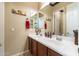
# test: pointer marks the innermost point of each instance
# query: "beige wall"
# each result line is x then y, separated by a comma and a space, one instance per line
15, 38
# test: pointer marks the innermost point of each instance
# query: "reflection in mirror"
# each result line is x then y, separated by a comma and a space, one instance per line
42, 16
33, 18
38, 23
41, 21
72, 21
59, 22
56, 22
37, 20
72, 18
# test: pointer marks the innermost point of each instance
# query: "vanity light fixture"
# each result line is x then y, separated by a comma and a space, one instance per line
53, 3
61, 11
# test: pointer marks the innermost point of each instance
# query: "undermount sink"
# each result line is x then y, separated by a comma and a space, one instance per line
56, 38
59, 38
53, 40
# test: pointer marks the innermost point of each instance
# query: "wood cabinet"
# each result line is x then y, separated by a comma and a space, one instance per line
42, 50
53, 53
29, 41
33, 47
38, 49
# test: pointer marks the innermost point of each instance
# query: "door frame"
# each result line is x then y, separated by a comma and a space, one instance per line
2, 28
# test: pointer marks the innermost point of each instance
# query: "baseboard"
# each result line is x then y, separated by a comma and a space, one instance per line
21, 53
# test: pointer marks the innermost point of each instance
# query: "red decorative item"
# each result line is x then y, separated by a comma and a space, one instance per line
45, 25
27, 24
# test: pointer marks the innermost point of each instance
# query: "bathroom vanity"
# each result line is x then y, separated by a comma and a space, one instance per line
43, 46
38, 49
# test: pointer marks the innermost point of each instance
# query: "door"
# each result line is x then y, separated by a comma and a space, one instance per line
57, 22
1, 29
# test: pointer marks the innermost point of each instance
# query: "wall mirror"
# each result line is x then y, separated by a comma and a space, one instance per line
66, 20
59, 25
39, 18
34, 22
72, 21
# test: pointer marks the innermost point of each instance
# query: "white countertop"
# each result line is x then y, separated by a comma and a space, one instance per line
64, 47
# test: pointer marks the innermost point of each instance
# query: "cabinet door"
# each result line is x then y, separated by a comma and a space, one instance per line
33, 47
29, 43
53, 53
42, 50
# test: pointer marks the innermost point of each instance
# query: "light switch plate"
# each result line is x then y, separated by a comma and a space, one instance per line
13, 29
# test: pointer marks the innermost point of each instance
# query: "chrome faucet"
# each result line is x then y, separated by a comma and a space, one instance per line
38, 31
